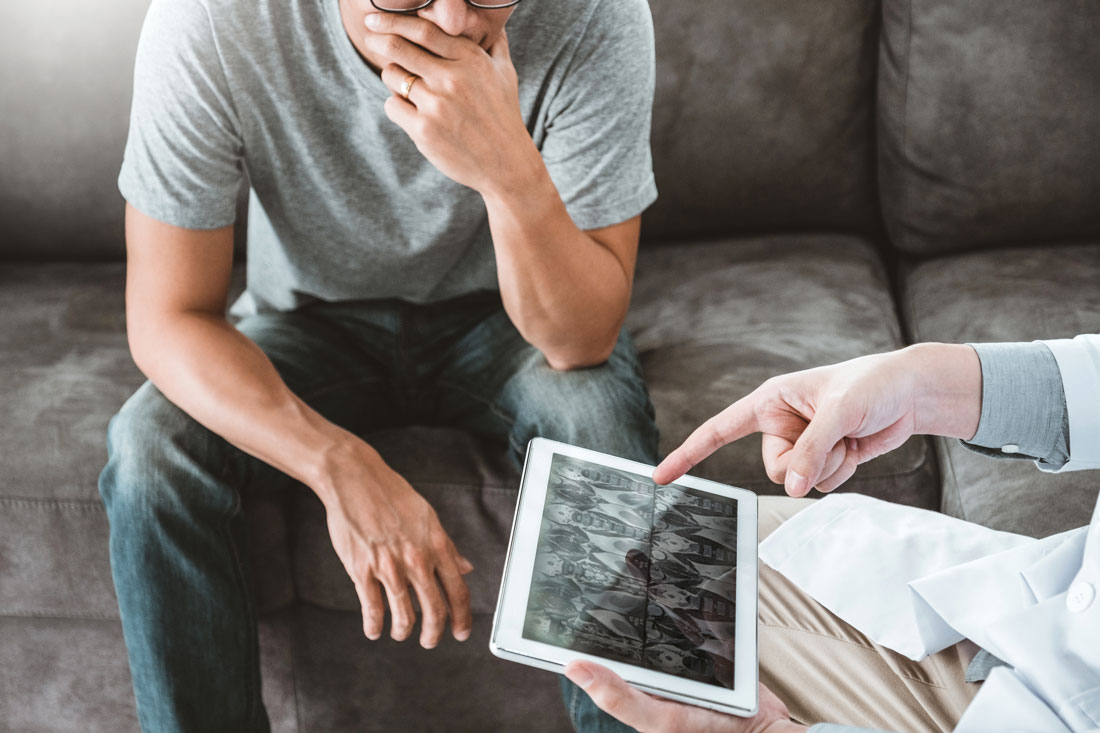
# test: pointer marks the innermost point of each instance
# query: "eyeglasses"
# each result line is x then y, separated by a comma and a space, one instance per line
411, 6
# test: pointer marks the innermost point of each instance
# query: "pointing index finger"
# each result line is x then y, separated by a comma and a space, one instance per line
733, 423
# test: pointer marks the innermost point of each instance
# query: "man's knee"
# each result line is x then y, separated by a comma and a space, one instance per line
155, 453
605, 408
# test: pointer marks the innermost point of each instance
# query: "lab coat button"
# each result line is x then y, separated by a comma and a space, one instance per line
1010, 448
1080, 596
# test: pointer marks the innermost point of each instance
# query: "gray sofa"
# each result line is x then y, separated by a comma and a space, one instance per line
836, 179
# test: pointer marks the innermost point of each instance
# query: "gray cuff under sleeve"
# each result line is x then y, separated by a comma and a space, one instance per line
834, 728
1023, 404
982, 664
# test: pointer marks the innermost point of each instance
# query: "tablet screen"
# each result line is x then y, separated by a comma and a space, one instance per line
635, 572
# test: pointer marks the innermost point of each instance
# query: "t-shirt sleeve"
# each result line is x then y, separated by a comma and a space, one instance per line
183, 158
597, 139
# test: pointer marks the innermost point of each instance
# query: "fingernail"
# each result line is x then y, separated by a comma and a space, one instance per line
580, 676
796, 483
463, 635
373, 21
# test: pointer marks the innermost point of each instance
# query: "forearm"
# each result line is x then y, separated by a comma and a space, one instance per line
566, 293
946, 388
224, 381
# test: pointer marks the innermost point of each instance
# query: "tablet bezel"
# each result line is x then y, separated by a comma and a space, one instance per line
507, 639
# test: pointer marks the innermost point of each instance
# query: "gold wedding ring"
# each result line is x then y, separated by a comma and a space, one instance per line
407, 85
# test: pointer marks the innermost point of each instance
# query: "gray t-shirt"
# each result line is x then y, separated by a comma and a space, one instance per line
343, 206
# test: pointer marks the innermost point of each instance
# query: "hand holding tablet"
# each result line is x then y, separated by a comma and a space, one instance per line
657, 583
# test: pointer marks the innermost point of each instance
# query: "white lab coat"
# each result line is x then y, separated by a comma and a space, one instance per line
917, 581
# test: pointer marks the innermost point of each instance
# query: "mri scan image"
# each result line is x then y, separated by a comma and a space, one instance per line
636, 572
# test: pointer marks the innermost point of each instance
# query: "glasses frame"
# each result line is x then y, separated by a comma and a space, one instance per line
426, 3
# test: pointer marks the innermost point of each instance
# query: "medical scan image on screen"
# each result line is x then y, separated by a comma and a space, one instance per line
632, 571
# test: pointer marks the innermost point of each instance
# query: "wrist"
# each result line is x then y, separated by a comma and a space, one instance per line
521, 177
947, 389
342, 454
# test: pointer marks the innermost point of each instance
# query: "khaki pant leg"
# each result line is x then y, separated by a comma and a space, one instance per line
826, 671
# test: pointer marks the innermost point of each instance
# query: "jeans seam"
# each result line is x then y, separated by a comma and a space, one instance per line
574, 703
245, 596
493, 406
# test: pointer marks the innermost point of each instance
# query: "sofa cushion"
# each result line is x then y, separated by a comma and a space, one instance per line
72, 675
714, 320
64, 675
989, 117
1008, 295
763, 117
66, 372
346, 683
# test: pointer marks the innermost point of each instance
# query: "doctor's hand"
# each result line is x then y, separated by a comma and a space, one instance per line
648, 713
818, 425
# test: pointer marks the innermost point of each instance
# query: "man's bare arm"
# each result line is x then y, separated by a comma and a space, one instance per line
177, 285
566, 290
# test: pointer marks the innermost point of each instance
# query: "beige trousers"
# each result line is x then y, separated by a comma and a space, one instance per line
827, 672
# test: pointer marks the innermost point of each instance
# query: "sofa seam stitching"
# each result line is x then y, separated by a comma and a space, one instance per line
76, 505
72, 615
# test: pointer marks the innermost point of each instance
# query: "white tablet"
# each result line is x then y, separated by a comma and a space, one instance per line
657, 583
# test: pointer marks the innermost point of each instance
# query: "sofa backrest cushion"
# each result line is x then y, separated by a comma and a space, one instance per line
764, 117
989, 122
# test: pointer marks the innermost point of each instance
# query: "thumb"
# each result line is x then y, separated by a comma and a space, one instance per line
807, 458
612, 695
499, 51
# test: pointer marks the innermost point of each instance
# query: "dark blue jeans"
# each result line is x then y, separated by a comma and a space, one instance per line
173, 489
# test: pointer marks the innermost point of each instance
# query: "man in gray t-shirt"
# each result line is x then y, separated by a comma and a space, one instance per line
443, 225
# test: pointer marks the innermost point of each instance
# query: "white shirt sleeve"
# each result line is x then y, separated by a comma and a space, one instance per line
1079, 362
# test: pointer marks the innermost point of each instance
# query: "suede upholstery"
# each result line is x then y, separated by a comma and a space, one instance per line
793, 147
763, 255
1008, 295
987, 115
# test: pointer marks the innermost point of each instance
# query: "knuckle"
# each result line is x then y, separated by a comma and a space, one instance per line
428, 34
461, 596
612, 703
433, 619
415, 557
776, 475
387, 565
448, 84
391, 45
440, 542
667, 719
